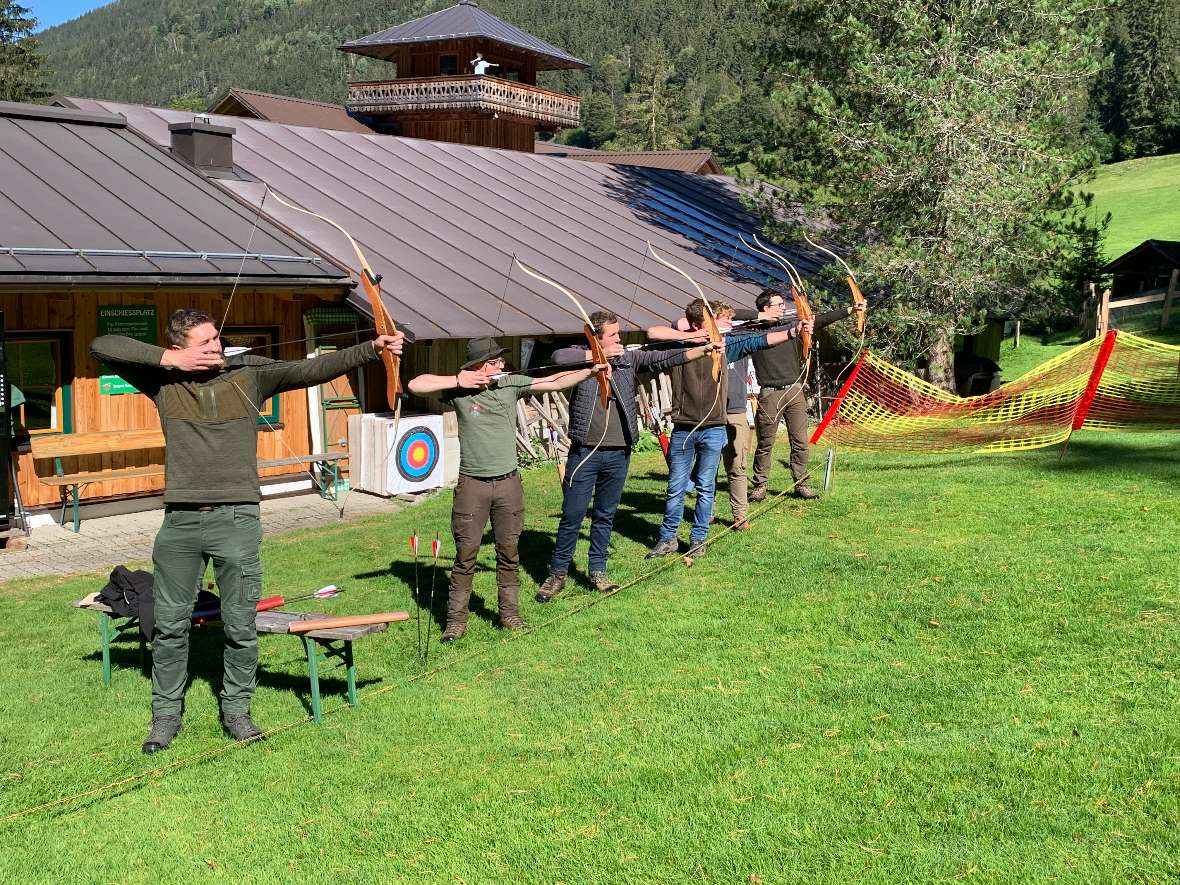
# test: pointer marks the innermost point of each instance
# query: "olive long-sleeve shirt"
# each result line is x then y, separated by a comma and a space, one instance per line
210, 419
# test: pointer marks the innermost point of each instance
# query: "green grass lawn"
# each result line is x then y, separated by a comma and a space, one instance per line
1143, 197
949, 669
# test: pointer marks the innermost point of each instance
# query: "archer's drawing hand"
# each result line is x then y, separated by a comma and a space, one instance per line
614, 350
390, 343
474, 379
199, 358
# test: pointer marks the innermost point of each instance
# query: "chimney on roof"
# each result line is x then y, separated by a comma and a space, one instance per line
202, 144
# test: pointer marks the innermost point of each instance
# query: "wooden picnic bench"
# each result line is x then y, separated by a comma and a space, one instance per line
321, 646
78, 445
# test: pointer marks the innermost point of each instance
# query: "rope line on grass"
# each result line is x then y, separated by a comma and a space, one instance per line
477, 652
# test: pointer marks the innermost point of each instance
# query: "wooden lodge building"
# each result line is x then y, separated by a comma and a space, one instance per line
111, 206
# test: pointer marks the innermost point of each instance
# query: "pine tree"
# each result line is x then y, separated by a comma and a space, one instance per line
942, 139
20, 58
1137, 97
650, 119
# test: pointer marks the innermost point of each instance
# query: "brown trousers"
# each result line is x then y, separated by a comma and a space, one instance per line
475, 501
774, 405
736, 455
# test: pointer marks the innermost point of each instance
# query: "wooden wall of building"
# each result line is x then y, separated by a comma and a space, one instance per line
74, 314
485, 130
424, 59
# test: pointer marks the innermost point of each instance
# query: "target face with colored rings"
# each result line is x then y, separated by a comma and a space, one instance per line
417, 454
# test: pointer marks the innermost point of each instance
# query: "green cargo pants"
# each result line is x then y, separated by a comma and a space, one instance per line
230, 536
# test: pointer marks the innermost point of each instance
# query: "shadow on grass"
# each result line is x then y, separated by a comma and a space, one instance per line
1161, 463
204, 663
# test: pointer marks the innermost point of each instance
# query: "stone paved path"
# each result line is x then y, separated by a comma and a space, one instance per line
107, 541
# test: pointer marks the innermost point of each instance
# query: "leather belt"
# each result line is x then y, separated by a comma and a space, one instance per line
493, 478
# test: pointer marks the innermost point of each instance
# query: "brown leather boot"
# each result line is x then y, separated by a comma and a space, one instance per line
513, 623
452, 632
553, 585
601, 583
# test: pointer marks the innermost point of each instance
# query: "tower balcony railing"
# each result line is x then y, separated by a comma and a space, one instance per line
465, 93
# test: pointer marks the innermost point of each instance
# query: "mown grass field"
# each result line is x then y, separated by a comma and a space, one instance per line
1143, 197
950, 669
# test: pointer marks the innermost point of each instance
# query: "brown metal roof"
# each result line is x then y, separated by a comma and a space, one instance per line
1148, 254
285, 109
442, 222
460, 22
701, 161
83, 196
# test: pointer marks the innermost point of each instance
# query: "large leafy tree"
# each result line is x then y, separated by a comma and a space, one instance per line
20, 58
941, 139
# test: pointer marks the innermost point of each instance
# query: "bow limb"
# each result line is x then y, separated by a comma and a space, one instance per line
858, 297
803, 311
371, 283
710, 319
596, 351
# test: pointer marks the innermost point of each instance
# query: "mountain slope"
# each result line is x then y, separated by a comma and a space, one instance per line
160, 51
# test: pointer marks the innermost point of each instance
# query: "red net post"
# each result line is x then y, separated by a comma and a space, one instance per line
1087, 400
839, 400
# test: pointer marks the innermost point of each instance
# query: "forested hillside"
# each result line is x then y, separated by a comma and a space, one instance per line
180, 51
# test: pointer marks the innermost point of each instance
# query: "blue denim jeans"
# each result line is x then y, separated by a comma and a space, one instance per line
692, 461
600, 478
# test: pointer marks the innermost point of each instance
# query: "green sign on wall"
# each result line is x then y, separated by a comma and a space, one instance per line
136, 321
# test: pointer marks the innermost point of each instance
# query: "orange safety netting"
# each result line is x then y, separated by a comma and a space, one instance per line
1119, 382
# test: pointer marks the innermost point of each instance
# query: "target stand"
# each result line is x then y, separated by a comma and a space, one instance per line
398, 457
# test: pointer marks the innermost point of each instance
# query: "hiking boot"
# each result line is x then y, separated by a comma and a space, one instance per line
164, 730
601, 583
741, 524
758, 493
553, 585
513, 623
805, 492
696, 550
240, 727
663, 548
452, 632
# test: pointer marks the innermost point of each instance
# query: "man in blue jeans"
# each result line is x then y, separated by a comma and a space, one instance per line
600, 453
700, 428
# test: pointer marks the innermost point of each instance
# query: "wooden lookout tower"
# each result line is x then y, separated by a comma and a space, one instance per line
465, 76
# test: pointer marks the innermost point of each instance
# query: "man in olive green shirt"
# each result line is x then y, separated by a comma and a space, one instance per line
484, 400
209, 411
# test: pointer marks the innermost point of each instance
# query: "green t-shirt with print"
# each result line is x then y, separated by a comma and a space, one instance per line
487, 425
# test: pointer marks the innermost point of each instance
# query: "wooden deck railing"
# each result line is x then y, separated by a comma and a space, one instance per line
465, 93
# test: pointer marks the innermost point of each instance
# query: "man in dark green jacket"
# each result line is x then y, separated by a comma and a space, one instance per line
209, 411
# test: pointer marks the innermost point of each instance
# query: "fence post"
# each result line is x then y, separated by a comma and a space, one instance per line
1167, 314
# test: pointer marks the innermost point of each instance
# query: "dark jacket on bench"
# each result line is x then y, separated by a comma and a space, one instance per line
210, 420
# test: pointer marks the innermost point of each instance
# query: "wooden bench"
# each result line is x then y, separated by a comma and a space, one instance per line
321, 646
78, 445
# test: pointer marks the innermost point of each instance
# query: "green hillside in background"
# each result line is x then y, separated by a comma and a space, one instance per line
1143, 197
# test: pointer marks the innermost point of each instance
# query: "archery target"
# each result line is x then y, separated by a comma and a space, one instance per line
417, 454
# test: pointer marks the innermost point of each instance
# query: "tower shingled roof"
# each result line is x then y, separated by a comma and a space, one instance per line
465, 20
